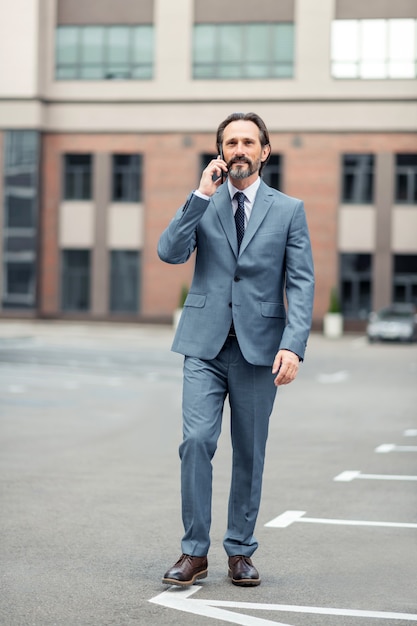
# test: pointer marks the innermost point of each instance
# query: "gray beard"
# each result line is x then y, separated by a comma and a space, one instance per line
239, 173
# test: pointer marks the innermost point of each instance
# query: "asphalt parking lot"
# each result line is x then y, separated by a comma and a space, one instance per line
90, 516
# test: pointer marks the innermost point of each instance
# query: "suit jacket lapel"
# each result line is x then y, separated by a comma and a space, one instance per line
263, 201
223, 204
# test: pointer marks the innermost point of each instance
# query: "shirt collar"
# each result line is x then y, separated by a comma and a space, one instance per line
250, 192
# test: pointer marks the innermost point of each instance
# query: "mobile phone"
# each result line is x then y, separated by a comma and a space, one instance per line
223, 175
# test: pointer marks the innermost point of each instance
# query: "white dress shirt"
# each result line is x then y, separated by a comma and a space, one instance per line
250, 193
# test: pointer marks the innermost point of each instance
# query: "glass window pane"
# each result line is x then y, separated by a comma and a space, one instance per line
20, 211
118, 44
259, 70
372, 69
283, 39
204, 42
345, 70
230, 44
228, 70
66, 44
19, 278
92, 72
402, 40
345, 40
92, 44
373, 40
142, 73
124, 281
283, 71
256, 43
66, 73
142, 44
75, 287
401, 69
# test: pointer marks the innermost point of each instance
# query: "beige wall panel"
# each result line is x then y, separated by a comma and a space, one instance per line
18, 114
105, 11
125, 230
200, 117
368, 9
356, 229
19, 48
173, 46
76, 225
233, 11
404, 230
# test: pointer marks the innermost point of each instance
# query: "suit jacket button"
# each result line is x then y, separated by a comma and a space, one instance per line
236, 279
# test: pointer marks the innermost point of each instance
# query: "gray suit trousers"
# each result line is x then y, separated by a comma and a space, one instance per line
251, 392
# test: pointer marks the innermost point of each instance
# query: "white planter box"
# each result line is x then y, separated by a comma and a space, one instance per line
333, 325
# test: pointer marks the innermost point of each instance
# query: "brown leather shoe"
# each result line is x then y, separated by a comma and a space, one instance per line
186, 570
243, 572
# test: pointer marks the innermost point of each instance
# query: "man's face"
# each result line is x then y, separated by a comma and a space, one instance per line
242, 149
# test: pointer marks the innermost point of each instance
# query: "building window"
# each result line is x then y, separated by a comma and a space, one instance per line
358, 178
19, 284
376, 48
271, 173
124, 281
127, 178
356, 281
226, 51
104, 52
77, 177
20, 226
405, 278
75, 284
406, 178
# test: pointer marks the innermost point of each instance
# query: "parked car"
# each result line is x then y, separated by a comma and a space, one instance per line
397, 322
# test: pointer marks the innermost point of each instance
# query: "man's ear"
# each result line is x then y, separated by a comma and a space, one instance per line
266, 153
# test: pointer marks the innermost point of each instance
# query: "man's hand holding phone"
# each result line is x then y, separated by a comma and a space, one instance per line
217, 170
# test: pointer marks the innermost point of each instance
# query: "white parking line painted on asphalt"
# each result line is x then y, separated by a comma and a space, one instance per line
179, 599
289, 517
391, 447
349, 475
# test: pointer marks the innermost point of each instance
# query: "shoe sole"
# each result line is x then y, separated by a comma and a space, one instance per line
185, 583
244, 582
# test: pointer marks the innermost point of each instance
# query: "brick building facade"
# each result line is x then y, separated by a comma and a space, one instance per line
96, 156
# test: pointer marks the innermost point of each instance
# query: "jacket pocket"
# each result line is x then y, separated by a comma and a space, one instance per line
273, 309
195, 299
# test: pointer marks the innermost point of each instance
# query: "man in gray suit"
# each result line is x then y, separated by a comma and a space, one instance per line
239, 341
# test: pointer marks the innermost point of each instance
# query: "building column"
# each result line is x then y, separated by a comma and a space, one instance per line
100, 256
384, 198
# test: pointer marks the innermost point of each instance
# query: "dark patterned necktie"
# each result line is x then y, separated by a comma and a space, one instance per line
240, 217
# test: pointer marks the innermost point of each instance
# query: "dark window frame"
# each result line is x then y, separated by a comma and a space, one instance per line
77, 178
355, 276
404, 278
127, 178
76, 280
358, 179
124, 291
406, 179
20, 220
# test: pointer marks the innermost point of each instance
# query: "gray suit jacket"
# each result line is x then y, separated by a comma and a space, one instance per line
275, 255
